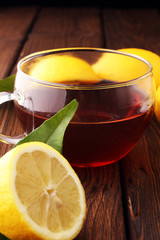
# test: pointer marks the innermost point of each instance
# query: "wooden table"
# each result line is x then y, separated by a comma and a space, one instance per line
123, 199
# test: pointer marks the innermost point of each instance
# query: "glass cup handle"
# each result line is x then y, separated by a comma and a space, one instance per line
5, 97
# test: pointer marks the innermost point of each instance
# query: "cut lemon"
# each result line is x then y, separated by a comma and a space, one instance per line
154, 59
41, 195
119, 67
62, 69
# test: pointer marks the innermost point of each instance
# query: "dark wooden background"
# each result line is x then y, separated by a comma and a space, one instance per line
123, 199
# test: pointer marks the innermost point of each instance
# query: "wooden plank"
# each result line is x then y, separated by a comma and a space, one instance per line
104, 204
15, 23
54, 28
132, 28
8, 53
140, 169
69, 21
141, 177
65, 27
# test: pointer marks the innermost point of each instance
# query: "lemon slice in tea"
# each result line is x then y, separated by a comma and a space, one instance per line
119, 67
62, 69
151, 57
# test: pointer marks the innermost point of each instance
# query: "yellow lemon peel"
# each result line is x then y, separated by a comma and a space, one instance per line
62, 68
41, 195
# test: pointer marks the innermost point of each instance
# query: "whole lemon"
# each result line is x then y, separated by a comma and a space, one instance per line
157, 105
151, 57
154, 59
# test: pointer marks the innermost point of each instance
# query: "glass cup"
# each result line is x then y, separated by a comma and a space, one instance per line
115, 92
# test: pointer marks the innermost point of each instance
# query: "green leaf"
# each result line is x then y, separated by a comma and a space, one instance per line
7, 84
52, 130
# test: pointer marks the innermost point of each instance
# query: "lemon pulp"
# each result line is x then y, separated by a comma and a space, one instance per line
43, 193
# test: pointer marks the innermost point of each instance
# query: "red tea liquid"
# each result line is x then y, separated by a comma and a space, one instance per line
106, 126
104, 142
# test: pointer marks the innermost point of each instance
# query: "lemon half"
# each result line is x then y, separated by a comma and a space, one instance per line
119, 67
41, 195
62, 68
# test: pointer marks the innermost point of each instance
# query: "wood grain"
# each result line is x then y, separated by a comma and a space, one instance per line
68, 27
142, 185
140, 169
123, 198
104, 204
65, 27
132, 28
15, 24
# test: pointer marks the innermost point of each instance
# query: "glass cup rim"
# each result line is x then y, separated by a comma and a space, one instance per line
83, 87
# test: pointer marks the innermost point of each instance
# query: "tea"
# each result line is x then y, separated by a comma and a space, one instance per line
104, 142
106, 126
